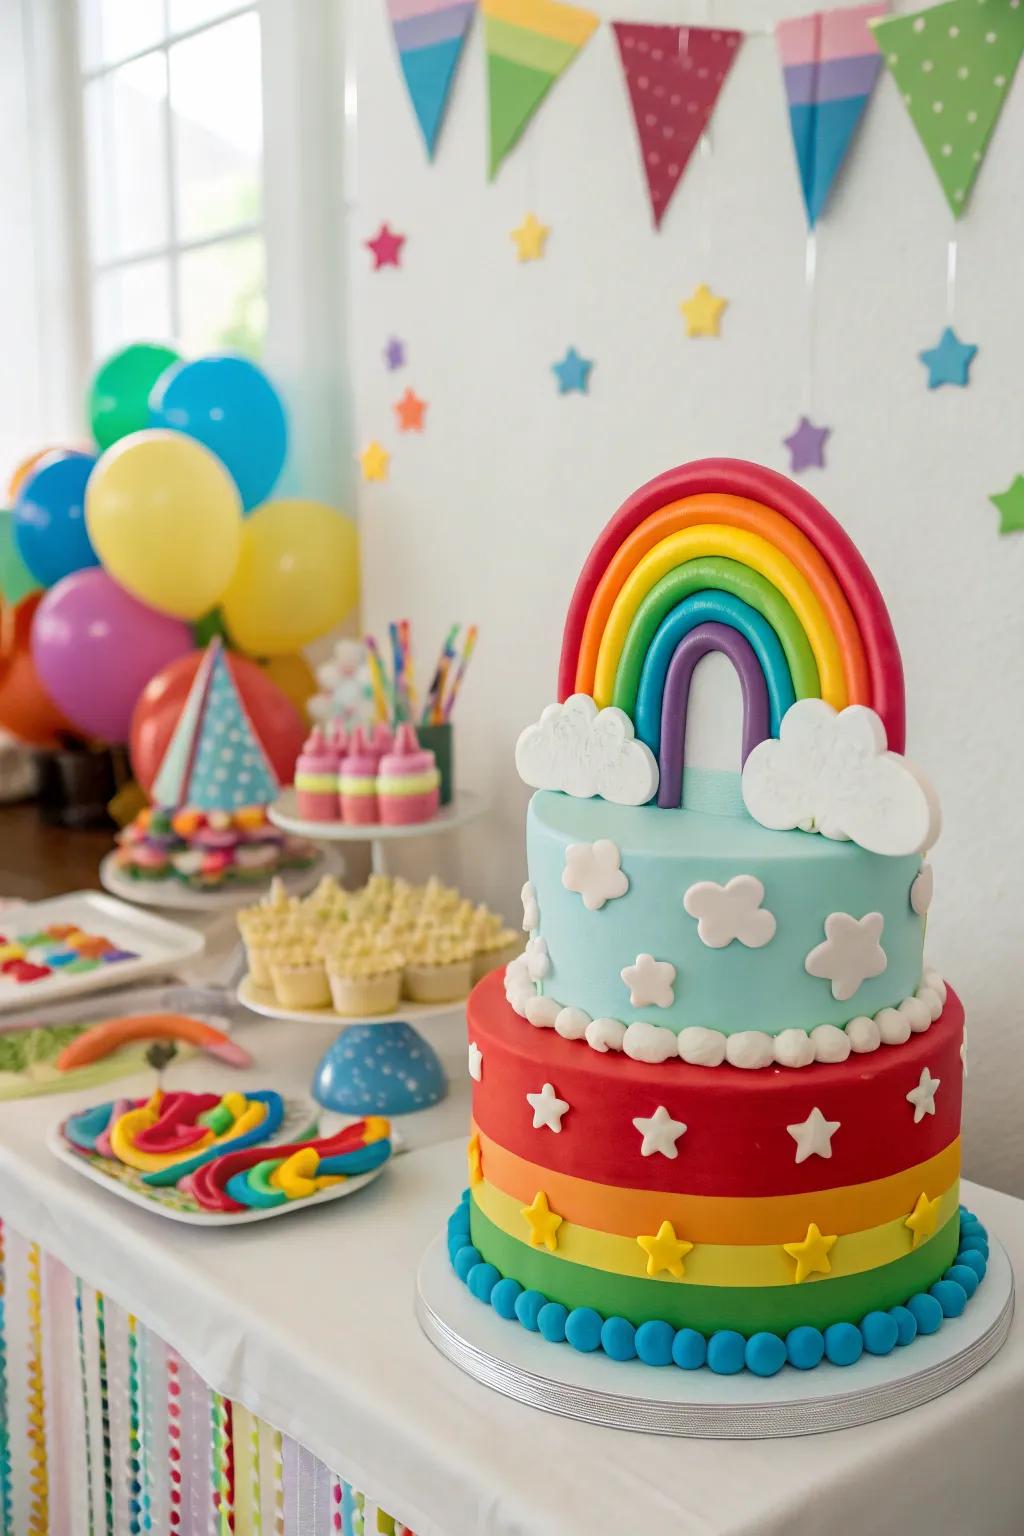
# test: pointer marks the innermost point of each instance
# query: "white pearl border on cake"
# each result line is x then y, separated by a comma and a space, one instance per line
708, 1048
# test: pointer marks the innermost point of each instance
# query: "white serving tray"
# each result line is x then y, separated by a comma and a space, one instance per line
261, 1000
284, 813
162, 947
173, 896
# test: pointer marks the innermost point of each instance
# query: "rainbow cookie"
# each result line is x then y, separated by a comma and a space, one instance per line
677, 1086
408, 783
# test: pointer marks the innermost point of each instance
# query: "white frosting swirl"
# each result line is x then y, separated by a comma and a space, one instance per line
605, 1035
863, 1034
830, 1043
893, 1026
750, 1049
571, 1023
649, 1042
793, 1048
542, 1011
701, 1047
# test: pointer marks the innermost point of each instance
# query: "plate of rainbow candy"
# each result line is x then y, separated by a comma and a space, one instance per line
214, 1159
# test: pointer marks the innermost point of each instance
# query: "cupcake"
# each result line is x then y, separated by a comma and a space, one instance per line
369, 983
299, 978
438, 967
494, 944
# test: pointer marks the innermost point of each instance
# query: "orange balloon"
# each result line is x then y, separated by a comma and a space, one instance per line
27, 467
26, 709
294, 676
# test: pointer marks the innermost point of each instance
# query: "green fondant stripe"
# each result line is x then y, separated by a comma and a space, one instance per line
520, 45
714, 573
707, 1308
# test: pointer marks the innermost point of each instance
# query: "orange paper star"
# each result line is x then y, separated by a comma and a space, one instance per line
410, 411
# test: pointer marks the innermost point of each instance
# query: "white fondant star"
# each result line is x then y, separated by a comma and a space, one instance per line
730, 911
813, 1136
531, 912
850, 954
660, 1133
923, 889
538, 961
923, 1096
476, 1061
547, 1108
593, 871
650, 982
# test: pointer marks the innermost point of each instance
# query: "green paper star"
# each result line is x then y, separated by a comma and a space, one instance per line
1010, 506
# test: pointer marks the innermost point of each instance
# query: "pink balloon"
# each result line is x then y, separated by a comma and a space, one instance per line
96, 647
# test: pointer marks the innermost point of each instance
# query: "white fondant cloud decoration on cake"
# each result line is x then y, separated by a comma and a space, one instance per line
730, 911
650, 982
831, 773
850, 954
594, 871
538, 960
923, 889
586, 751
531, 911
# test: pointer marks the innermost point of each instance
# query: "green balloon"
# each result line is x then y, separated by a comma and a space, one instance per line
210, 626
119, 395
16, 580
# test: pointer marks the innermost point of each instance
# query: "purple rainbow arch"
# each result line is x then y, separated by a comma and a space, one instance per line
756, 712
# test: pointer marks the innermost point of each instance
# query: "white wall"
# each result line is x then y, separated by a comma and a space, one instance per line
490, 514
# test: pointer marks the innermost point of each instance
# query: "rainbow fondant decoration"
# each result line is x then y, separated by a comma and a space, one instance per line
722, 555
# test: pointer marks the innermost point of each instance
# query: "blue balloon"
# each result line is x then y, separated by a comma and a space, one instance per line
49, 518
230, 406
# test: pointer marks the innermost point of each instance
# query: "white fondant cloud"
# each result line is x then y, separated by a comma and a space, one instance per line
584, 751
831, 773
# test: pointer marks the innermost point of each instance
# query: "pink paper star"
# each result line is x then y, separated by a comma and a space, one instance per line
386, 247
806, 446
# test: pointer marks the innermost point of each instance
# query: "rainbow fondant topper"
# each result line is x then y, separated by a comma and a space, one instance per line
723, 556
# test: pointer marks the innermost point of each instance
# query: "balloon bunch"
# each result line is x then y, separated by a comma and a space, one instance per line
116, 563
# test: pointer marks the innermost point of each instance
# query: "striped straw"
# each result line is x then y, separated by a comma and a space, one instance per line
6, 1503
39, 1481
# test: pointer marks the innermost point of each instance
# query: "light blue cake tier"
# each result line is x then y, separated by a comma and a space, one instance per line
663, 852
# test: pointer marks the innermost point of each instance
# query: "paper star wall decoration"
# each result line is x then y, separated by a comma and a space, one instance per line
812, 1254
703, 311
665, 1251
1010, 506
813, 1136
374, 461
949, 361
924, 1218
394, 354
386, 247
806, 444
542, 1222
573, 373
410, 411
530, 238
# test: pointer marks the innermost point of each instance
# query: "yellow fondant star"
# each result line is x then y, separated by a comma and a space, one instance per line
373, 461
473, 1158
529, 238
812, 1254
924, 1218
702, 311
542, 1221
665, 1251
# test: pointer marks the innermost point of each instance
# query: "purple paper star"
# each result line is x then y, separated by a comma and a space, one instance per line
394, 354
806, 446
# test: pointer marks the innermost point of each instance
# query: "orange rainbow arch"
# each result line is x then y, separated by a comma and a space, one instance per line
725, 524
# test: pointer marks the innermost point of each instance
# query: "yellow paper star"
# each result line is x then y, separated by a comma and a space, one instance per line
665, 1251
812, 1254
473, 1158
924, 1218
702, 311
529, 238
373, 461
542, 1221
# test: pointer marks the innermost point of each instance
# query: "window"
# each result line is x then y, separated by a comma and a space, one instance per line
173, 137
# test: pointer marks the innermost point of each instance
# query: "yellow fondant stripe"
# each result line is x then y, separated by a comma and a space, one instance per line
753, 1264
720, 1218
736, 544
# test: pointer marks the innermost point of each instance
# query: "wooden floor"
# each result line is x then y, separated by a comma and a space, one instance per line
38, 861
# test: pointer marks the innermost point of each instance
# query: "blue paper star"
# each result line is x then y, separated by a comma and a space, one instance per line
949, 361
573, 373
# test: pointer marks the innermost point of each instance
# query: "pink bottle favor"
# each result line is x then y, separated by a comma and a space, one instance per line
316, 779
408, 785
357, 781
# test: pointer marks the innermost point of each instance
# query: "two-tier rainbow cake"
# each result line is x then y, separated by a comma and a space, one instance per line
716, 1103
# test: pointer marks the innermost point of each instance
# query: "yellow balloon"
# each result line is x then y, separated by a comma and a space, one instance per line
165, 518
297, 577
295, 678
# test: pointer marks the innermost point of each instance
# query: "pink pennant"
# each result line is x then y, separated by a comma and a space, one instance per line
673, 75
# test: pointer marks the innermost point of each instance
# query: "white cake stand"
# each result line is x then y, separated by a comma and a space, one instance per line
698, 1404
464, 808
174, 896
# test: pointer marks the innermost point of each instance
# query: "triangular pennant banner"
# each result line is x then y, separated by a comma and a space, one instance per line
430, 35
673, 75
529, 43
830, 62
954, 65
214, 760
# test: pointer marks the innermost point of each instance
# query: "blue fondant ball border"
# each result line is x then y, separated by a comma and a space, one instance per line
725, 1352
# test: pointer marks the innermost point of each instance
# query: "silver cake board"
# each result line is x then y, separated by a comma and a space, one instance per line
630, 1395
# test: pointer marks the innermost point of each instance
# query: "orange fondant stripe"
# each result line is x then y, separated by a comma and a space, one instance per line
735, 512
717, 1218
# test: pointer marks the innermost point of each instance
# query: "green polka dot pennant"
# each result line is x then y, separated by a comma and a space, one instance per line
954, 65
